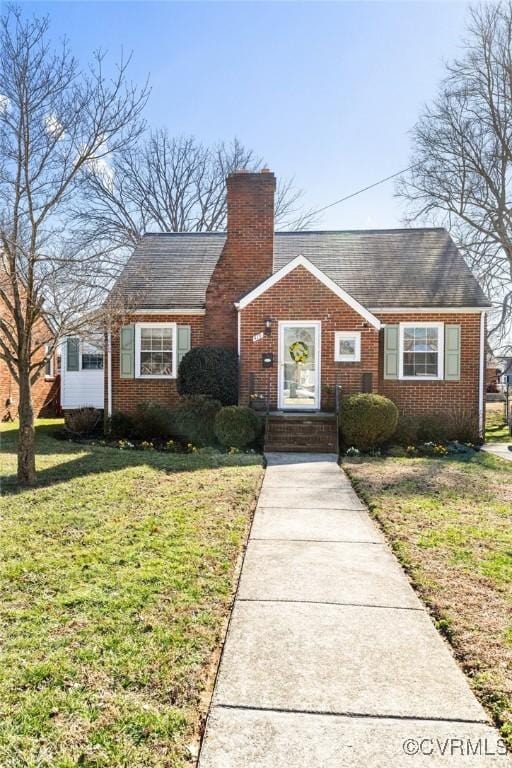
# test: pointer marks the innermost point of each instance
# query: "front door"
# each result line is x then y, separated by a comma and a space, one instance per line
299, 365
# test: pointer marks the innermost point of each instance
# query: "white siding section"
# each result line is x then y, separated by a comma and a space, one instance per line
79, 389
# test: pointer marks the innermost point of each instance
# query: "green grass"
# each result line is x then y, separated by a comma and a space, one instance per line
496, 429
449, 522
116, 577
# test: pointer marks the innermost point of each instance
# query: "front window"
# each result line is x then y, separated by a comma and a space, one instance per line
92, 358
421, 346
156, 350
347, 346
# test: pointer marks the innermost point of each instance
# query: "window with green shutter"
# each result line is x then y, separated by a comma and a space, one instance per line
184, 341
391, 351
421, 348
452, 352
73, 354
127, 352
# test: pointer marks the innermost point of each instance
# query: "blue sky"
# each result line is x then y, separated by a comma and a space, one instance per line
325, 92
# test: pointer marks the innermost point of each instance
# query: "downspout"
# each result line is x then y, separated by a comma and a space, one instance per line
238, 322
109, 374
482, 376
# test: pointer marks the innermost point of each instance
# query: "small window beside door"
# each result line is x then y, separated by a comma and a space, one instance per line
347, 346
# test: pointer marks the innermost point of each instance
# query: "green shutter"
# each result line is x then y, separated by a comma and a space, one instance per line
127, 352
452, 352
72, 354
391, 351
184, 336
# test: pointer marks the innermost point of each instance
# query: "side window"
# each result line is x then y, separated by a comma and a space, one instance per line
347, 346
421, 350
91, 357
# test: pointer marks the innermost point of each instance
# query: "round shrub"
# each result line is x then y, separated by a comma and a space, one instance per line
367, 421
121, 426
153, 420
195, 419
236, 426
211, 371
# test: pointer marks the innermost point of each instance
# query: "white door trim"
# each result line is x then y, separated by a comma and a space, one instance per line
317, 325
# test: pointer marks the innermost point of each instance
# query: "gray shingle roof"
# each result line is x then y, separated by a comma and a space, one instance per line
379, 268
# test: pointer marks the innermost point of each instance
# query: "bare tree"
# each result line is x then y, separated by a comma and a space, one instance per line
174, 185
56, 122
461, 172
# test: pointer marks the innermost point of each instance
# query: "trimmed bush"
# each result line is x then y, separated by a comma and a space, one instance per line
121, 426
237, 426
367, 421
211, 371
154, 421
83, 421
195, 419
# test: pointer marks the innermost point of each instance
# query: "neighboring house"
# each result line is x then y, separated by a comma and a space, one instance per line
395, 312
81, 374
45, 390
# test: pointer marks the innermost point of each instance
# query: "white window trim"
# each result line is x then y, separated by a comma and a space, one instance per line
440, 351
174, 327
338, 336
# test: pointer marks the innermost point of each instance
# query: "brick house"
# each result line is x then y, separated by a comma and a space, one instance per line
45, 390
395, 312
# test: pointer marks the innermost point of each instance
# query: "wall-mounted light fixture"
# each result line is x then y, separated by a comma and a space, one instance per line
268, 326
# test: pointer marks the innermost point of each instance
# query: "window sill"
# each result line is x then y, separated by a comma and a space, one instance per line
420, 378
150, 378
347, 360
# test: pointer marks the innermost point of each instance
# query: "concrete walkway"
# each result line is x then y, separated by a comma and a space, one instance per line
503, 450
330, 659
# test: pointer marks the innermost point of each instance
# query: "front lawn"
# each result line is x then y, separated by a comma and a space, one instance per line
496, 428
116, 578
449, 521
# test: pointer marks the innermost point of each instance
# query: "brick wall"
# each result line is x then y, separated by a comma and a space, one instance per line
247, 257
45, 391
300, 296
417, 397
127, 393
45, 394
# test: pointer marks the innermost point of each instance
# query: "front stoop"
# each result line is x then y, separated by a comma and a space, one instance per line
301, 432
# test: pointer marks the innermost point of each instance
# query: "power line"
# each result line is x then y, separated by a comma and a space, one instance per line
359, 191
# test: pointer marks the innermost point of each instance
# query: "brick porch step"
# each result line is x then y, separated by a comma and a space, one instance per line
295, 432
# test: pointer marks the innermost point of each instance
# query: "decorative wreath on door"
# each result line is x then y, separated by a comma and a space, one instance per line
299, 351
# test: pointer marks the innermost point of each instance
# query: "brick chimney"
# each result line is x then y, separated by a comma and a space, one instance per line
247, 257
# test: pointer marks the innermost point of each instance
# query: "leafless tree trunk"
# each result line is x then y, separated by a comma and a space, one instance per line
56, 122
461, 162
170, 184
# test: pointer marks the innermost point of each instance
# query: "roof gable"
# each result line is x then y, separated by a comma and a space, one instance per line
301, 261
